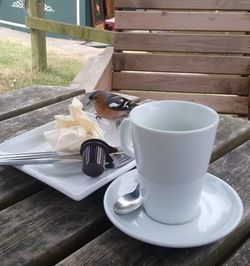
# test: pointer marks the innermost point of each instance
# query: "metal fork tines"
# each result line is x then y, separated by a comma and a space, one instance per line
120, 159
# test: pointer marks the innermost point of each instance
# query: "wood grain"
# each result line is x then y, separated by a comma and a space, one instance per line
241, 256
27, 121
41, 226
31, 98
223, 104
231, 133
182, 63
44, 226
181, 21
180, 83
38, 38
47, 226
81, 32
182, 38
185, 4
115, 247
97, 73
174, 42
15, 185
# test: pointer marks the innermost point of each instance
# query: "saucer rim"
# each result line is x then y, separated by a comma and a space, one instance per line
133, 176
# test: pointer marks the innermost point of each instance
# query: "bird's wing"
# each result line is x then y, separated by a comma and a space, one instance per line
118, 103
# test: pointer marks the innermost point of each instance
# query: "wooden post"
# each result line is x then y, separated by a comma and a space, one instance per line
38, 38
110, 8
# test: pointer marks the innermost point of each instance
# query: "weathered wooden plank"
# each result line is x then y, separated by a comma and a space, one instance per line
231, 134
228, 104
82, 32
195, 21
97, 73
22, 225
38, 38
181, 83
27, 121
46, 227
34, 97
116, 248
75, 223
234, 168
172, 42
241, 256
15, 185
185, 4
182, 63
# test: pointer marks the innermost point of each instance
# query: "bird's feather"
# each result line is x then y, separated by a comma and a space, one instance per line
117, 103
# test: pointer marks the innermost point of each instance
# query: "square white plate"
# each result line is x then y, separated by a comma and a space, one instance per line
67, 178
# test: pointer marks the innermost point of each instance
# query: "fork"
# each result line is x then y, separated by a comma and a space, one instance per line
119, 158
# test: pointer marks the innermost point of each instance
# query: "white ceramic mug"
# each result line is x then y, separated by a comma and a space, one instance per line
172, 143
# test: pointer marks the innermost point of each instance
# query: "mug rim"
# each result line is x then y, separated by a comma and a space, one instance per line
212, 111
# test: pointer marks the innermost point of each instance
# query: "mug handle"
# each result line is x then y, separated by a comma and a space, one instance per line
126, 137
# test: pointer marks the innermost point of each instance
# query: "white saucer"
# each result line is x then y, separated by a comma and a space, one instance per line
221, 210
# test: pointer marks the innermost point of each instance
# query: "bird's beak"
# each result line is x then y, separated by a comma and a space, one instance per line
88, 100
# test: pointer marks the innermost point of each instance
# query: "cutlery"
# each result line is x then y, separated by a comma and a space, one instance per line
129, 202
119, 158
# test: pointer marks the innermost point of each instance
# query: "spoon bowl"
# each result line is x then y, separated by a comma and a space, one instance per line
129, 202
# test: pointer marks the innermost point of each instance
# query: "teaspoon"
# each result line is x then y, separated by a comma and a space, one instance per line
129, 202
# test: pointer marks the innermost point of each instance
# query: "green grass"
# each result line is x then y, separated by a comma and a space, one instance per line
15, 68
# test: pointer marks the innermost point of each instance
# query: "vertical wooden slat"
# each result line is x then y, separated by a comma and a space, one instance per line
38, 38
110, 8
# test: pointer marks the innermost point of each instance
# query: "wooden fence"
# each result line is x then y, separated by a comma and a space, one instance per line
39, 26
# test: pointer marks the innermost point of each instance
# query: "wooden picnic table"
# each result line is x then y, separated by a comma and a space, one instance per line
41, 226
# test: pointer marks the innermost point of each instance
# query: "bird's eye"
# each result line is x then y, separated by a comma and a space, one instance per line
92, 97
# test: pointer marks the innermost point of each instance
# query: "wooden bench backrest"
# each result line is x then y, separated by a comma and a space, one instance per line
184, 49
